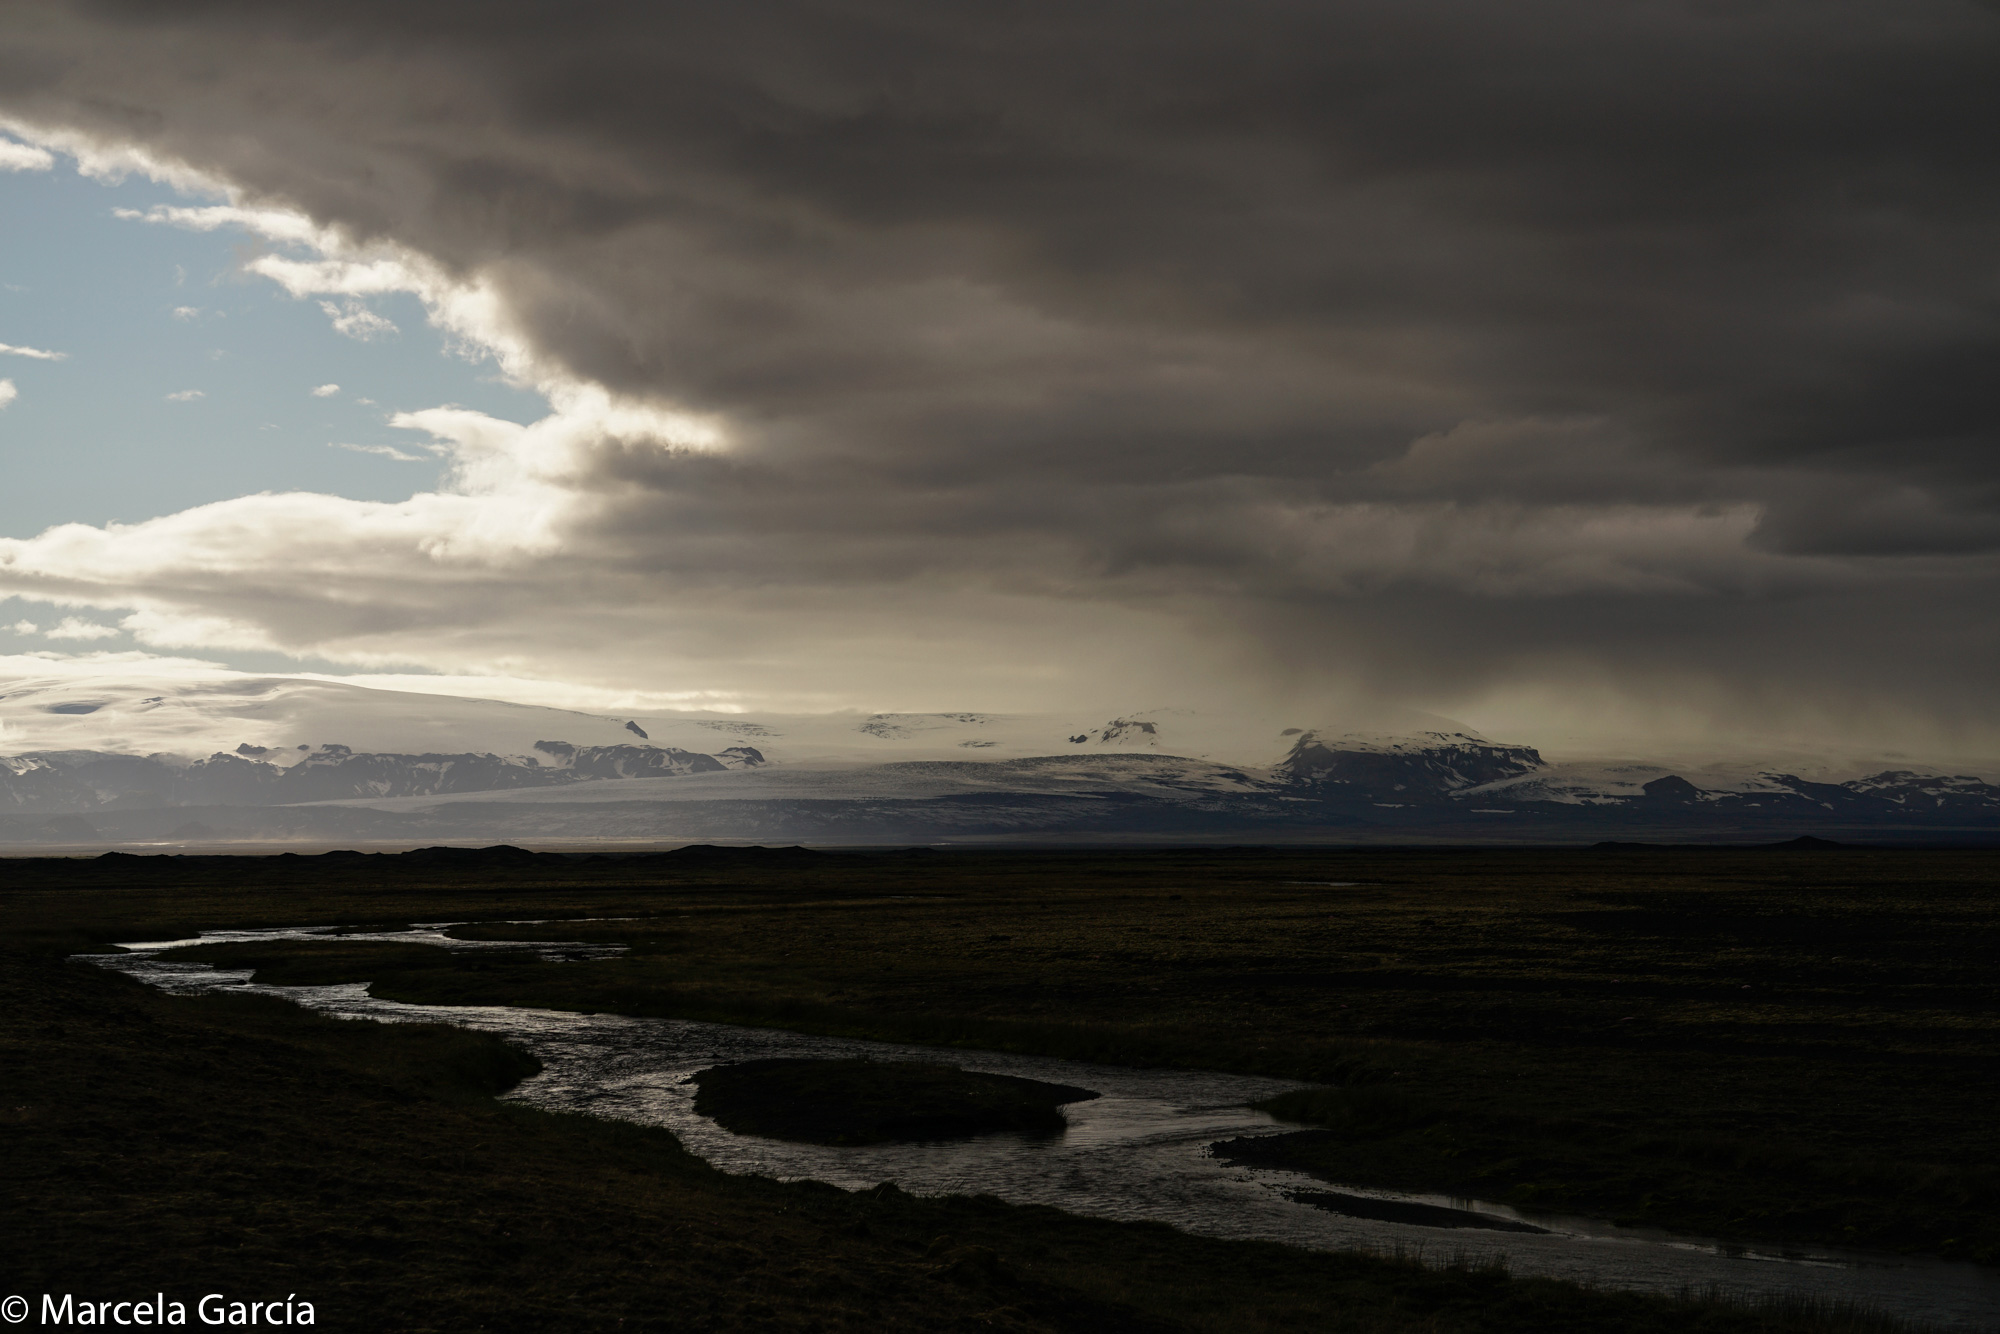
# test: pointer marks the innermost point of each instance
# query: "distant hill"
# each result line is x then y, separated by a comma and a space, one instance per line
117, 762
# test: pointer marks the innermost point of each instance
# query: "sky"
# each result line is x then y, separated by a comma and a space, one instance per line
1613, 376
152, 374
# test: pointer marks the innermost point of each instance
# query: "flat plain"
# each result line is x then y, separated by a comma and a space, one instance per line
1786, 1045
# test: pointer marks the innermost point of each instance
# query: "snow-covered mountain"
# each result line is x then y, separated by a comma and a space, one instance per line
226, 756
1419, 767
279, 719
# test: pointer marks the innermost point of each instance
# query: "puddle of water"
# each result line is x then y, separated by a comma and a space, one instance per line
1137, 1152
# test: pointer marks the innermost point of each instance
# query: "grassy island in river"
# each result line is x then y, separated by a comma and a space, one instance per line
876, 1102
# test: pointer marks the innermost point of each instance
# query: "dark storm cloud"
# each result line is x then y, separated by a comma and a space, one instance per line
1335, 306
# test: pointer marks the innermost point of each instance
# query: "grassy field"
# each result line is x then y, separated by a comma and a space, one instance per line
1790, 1045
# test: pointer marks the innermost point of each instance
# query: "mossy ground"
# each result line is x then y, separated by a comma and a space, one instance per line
1641, 1035
876, 1102
236, 1144
1767, 1046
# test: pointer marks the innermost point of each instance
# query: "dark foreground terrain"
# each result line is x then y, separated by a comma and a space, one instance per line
1760, 1044
876, 1102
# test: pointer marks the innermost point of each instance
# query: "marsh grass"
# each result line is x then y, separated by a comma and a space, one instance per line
238, 1144
1561, 1164
1825, 1314
1758, 1046
876, 1102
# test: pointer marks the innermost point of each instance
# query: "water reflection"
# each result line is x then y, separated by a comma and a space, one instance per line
1137, 1152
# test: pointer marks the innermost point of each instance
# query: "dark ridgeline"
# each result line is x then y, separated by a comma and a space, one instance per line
1435, 786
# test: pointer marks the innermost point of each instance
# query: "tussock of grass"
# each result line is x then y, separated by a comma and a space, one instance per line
876, 1102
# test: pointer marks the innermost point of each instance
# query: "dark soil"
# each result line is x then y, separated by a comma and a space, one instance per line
876, 1102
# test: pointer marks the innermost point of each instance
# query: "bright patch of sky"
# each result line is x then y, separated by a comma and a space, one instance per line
144, 371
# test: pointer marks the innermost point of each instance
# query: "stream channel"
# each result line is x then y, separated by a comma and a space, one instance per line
1138, 1152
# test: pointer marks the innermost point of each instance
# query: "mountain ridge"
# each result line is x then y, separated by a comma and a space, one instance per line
1154, 773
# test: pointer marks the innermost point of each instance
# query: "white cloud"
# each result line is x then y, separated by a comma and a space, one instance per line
8, 393
101, 662
547, 694
34, 353
111, 160
75, 627
345, 277
25, 628
358, 322
326, 391
187, 312
386, 451
186, 395
24, 157
278, 224
468, 308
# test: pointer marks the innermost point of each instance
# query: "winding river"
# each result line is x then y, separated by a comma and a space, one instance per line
1139, 1151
